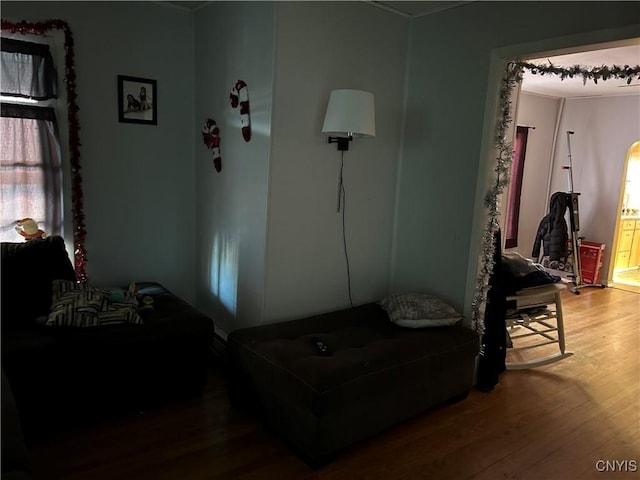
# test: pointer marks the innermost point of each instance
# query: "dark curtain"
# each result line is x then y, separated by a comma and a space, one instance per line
491, 361
515, 187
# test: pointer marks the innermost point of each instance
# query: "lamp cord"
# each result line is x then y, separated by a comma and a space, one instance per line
342, 200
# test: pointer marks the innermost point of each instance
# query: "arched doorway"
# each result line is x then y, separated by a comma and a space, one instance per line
626, 265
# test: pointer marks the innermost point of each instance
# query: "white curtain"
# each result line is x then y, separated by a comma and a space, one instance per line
30, 170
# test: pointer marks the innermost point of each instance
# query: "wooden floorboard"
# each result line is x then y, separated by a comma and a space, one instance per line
553, 422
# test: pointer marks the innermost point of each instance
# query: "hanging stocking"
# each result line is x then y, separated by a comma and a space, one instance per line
240, 95
210, 135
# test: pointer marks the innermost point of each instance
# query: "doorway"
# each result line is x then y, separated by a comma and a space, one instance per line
598, 145
626, 267
601, 210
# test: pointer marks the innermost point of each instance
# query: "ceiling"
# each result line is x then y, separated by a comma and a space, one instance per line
409, 9
187, 5
544, 85
417, 9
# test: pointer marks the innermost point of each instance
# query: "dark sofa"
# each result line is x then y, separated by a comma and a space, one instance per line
15, 460
65, 376
324, 382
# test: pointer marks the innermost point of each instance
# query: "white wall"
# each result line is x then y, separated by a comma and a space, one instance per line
542, 113
605, 128
233, 40
321, 46
152, 215
137, 179
437, 238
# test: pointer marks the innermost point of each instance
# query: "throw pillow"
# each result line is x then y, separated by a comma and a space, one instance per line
78, 305
419, 310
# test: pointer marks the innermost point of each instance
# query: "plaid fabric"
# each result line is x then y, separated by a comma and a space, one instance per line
80, 305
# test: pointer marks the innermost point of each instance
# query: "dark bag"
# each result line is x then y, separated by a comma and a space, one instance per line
519, 272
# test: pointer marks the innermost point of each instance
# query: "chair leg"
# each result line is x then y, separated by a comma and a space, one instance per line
560, 321
528, 322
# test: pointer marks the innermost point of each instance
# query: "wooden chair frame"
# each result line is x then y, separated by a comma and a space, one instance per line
547, 323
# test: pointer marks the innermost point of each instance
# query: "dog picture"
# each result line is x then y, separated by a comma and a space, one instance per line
137, 100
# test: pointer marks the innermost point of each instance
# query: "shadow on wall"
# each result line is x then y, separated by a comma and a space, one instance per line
223, 272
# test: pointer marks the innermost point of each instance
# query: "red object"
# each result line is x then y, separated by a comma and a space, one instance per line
591, 256
211, 137
240, 96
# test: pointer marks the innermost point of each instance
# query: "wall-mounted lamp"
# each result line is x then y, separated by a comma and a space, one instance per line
349, 113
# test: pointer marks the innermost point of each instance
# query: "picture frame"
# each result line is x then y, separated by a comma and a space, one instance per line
137, 100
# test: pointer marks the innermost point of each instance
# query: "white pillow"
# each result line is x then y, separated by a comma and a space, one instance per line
419, 310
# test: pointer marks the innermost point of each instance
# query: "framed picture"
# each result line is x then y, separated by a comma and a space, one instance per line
137, 100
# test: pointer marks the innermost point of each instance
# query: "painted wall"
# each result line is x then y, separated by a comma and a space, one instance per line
605, 128
542, 113
321, 46
137, 179
265, 232
222, 221
449, 126
233, 40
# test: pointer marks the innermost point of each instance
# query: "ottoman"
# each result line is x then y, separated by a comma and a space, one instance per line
63, 376
324, 382
66, 377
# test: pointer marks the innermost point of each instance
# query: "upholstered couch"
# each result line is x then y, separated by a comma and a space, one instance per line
325, 382
66, 375
16, 464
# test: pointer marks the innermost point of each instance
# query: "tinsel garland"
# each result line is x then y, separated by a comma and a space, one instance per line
504, 156
77, 197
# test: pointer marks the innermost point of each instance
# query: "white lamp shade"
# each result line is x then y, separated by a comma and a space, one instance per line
350, 112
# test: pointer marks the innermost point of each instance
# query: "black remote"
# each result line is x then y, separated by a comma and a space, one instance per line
320, 347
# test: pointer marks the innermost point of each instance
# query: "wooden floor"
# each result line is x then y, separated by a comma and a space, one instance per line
555, 422
627, 279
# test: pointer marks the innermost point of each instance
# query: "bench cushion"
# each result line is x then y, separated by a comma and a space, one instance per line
372, 374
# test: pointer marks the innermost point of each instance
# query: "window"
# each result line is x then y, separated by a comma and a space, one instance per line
30, 160
515, 187
71, 130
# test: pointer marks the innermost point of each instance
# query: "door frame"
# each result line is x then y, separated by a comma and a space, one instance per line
618, 224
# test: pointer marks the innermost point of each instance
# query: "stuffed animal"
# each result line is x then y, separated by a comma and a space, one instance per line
28, 228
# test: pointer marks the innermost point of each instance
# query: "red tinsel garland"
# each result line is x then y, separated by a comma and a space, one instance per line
77, 198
